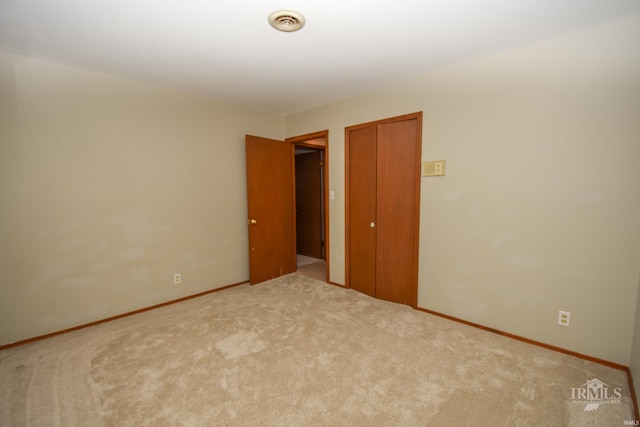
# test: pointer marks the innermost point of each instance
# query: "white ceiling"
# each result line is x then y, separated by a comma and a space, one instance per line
226, 48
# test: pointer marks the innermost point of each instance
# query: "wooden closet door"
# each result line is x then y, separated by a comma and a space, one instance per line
397, 151
361, 181
383, 203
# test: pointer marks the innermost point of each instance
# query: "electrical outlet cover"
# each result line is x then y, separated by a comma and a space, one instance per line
564, 318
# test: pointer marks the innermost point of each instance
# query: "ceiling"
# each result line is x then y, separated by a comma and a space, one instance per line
227, 50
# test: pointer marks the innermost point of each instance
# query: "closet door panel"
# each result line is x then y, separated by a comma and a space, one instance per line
361, 157
396, 210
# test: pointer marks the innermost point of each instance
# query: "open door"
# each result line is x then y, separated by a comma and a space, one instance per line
270, 203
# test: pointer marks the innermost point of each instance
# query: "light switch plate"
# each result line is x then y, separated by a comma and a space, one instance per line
434, 168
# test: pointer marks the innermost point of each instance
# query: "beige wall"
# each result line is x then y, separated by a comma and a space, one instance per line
107, 188
540, 208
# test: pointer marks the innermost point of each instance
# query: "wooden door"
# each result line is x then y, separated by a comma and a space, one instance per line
396, 210
309, 204
270, 208
383, 203
361, 212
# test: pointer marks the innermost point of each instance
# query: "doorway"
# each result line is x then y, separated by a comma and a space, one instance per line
311, 201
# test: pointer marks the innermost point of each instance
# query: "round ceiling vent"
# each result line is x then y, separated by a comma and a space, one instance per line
286, 20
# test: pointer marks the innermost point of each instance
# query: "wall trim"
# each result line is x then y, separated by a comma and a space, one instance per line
529, 341
337, 284
109, 319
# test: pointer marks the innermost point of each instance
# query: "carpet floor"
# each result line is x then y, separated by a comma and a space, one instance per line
316, 270
295, 351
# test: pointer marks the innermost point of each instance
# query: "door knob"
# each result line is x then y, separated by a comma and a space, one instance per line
373, 224
252, 222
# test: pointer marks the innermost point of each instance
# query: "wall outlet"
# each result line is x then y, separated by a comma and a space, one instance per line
564, 318
177, 279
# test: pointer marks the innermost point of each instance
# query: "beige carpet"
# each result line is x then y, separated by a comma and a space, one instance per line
296, 352
316, 270
305, 260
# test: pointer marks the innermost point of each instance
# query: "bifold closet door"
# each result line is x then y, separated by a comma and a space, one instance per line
383, 205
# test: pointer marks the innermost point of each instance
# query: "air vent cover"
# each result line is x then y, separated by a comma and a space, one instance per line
286, 20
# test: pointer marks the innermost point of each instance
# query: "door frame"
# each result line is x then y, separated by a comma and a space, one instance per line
318, 140
411, 116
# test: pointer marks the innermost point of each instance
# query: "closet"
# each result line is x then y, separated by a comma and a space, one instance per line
383, 206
